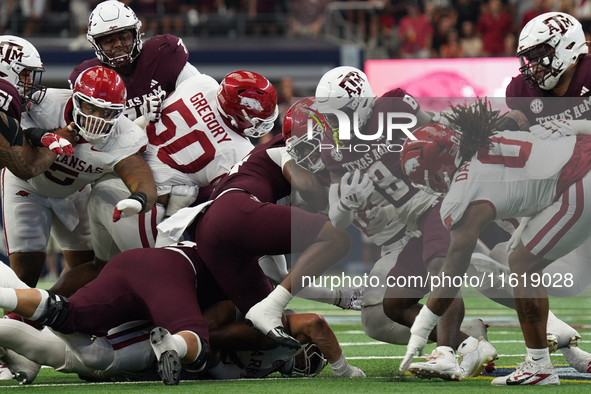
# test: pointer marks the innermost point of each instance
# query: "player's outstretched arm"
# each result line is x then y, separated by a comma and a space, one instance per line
17, 154
138, 177
307, 184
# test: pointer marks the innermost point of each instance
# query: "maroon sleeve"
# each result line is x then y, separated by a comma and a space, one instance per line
83, 66
10, 100
166, 55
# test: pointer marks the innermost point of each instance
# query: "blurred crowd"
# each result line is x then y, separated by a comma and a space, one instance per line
402, 29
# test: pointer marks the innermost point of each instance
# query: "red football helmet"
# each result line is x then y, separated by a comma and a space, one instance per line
431, 160
304, 148
249, 101
99, 100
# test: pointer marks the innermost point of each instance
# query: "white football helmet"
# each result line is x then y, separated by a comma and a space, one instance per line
348, 90
18, 55
548, 45
110, 17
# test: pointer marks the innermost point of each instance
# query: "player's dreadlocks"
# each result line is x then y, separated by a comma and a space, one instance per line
475, 123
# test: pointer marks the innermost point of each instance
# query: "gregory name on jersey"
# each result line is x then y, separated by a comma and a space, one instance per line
209, 118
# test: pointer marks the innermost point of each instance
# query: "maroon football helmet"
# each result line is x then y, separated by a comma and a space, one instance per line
99, 100
304, 150
249, 101
431, 160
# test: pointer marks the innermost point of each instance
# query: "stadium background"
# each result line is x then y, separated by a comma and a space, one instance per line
227, 35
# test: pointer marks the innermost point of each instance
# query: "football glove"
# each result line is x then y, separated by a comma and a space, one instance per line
57, 144
355, 194
552, 129
132, 205
152, 108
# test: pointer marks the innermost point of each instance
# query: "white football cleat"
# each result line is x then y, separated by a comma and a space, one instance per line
559, 334
24, 370
350, 298
266, 318
474, 355
578, 359
169, 362
529, 373
441, 363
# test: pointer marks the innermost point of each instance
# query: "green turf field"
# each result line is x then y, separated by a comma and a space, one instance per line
378, 360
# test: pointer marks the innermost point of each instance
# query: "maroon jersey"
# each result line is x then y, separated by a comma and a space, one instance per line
10, 100
541, 105
374, 157
258, 175
156, 69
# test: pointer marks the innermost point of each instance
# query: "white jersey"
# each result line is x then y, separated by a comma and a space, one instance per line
517, 176
192, 145
89, 162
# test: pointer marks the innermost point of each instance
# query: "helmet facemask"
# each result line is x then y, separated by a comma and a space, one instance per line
92, 128
29, 85
540, 67
305, 152
132, 50
260, 127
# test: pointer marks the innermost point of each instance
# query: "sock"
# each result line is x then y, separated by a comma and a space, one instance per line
280, 297
181, 345
320, 294
539, 356
42, 307
341, 366
8, 299
424, 322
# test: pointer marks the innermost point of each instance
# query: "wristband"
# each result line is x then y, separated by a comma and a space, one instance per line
34, 135
141, 197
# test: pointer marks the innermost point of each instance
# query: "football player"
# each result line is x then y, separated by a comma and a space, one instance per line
368, 186
130, 297
151, 70
20, 84
546, 180
57, 198
555, 69
201, 135
306, 153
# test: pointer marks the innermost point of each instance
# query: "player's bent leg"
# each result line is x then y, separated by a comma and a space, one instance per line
578, 359
380, 327
75, 258
172, 350
28, 266
75, 279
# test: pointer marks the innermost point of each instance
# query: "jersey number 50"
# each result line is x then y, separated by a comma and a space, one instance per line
165, 152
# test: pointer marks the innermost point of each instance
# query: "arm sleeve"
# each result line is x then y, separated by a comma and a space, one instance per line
279, 155
187, 72
340, 218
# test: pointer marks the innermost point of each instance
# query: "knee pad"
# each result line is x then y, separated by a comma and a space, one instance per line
56, 311
200, 363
